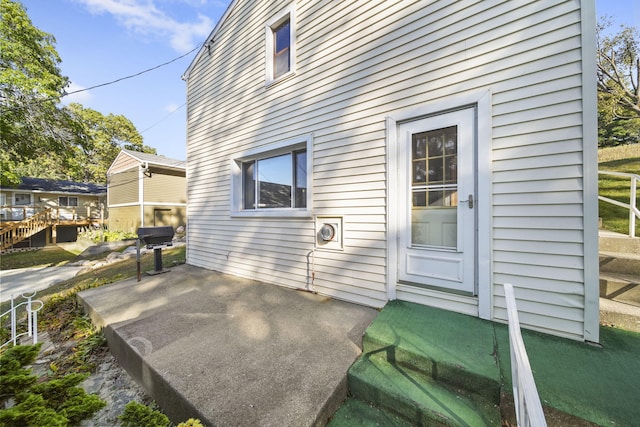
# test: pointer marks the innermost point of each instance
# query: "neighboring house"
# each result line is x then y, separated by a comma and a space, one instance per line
422, 151
145, 190
71, 204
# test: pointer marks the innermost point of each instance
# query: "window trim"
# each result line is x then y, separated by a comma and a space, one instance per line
273, 23
278, 148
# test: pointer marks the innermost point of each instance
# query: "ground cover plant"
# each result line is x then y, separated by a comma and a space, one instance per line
53, 397
626, 159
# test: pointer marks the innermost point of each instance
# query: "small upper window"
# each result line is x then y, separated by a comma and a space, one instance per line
280, 43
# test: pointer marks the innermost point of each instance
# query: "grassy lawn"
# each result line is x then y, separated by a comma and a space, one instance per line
104, 275
616, 218
49, 256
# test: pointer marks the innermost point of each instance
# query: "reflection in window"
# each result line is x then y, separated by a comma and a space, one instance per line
282, 43
435, 168
270, 182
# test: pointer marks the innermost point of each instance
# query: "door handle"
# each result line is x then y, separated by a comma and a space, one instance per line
469, 201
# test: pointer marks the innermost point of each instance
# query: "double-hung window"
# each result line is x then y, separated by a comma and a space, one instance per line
280, 44
273, 180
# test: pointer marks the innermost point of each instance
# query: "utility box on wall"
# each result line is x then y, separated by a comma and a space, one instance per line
329, 232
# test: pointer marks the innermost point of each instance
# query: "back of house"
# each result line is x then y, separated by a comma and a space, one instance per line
426, 151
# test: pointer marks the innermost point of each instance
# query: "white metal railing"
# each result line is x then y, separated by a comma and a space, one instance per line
31, 308
525, 394
632, 206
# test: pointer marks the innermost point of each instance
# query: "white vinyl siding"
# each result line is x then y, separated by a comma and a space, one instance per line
356, 62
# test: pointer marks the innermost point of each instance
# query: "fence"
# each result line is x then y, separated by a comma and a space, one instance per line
32, 318
632, 206
525, 394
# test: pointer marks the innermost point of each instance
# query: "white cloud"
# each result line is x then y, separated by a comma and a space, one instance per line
145, 17
80, 97
172, 107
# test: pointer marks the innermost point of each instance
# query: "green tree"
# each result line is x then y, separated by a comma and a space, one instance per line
618, 61
31, 85
103, 138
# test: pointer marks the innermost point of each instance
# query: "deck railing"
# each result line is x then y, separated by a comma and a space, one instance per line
16, 232
525, 394
31, 308
632, 206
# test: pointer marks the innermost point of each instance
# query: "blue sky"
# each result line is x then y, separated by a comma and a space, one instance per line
103, 40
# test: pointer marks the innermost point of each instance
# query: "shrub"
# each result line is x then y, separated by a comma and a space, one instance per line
138, 415
56, 402
191, 423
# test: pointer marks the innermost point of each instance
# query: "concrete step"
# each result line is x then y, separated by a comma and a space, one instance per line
620, 287
620, 263
615, 242
418, 398
619, 315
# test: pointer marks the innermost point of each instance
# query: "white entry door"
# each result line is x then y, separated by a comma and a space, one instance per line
436, 167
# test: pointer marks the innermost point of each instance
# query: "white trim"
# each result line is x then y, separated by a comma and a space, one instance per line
274, 149
155, 204
481, 99
124, 205
484, 192
290, 14
141, 192
590, 174
392, 203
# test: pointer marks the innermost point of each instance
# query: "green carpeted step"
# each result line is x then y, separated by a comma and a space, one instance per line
419, 399
356, 413
453, 348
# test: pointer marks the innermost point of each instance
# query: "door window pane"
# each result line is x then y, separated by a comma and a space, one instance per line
434, 188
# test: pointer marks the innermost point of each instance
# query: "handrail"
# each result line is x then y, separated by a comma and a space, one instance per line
21, 230
32, 318
634, 212
525, 394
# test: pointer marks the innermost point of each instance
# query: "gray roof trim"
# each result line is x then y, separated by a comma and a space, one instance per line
155, 160
41, 185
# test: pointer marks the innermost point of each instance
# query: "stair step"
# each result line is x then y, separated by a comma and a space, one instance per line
356, 413
620, 263
421, 340
620, 287
417, 398
619, 315
612, 242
